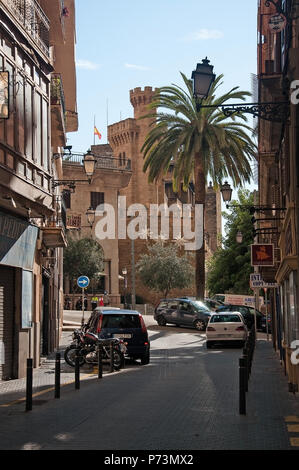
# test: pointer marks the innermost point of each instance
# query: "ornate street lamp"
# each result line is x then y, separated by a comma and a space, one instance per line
203, 77
91, 215
226, 192
89, 165
239, 237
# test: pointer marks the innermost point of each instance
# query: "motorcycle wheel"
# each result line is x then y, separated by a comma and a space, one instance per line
117, 360
70, 355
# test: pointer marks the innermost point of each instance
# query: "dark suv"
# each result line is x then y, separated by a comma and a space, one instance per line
246, 312
125, 324
181, 311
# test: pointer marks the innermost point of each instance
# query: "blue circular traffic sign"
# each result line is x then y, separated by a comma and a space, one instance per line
83, 282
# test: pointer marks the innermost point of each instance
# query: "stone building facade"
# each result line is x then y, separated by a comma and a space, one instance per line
278, 143
37, 43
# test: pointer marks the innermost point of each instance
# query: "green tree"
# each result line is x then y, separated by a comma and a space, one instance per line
230, 266
82, 257
162, 269
201, 142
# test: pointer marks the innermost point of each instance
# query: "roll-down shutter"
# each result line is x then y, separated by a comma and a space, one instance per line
6, 322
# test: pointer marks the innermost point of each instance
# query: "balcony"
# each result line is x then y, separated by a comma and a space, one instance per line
103, 163
30, 15
58, 111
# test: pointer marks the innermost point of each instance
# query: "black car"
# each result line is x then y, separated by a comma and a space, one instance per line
124, 324
183, 311
246, 312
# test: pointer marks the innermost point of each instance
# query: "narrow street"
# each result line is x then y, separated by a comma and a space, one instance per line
186, 398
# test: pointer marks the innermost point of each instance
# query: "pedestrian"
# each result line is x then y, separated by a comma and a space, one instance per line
94, 302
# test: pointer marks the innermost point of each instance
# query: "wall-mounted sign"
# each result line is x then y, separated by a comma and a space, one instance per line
262, 254
4, 95
277, 23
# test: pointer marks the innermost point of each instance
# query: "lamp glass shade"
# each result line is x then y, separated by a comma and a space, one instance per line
226, 192
124, 271
89, 163
90, 214
203, 77
239, 237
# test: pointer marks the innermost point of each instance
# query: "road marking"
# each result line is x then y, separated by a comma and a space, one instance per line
293, 427
294, 441
292, 419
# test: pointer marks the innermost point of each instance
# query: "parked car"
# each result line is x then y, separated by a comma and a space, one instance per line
225, 327
183, 311
247, 313
213, 304
125, 324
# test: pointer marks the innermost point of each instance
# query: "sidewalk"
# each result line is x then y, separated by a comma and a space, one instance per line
14, 391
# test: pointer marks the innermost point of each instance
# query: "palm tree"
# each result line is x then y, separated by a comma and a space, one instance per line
201, 142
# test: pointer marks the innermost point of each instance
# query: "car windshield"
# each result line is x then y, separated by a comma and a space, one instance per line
199, 306
121, 321
225, 319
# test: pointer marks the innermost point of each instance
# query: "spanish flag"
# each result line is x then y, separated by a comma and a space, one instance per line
96, 132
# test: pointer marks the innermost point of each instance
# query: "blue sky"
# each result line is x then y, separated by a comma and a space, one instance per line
123, 44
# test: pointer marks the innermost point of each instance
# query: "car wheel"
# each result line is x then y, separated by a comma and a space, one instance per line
145, 359
161, 321
199, 325
209, 344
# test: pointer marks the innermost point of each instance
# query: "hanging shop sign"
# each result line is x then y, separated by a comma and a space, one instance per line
262, 254
277, 23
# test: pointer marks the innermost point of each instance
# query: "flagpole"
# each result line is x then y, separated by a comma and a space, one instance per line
107, 124
94, 125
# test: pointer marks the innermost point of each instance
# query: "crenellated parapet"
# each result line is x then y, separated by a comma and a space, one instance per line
140, 99
123, 132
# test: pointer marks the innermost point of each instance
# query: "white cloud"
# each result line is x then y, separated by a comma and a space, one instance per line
86, 64
136, 67
204, 35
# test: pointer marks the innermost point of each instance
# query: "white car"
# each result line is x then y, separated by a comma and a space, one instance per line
226, 326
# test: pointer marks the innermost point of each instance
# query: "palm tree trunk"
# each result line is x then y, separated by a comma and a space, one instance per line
200, 198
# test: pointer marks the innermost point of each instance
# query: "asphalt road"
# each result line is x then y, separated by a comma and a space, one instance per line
186, 398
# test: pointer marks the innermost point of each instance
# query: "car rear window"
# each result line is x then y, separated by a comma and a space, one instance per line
225, 319
121, 321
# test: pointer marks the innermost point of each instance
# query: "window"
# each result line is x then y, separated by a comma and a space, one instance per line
96, 199
67, 198
225, 319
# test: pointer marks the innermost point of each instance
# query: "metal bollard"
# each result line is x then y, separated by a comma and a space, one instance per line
111, 358
100, 362
29, 380
77, 371
242, 393
245, 356
57, 375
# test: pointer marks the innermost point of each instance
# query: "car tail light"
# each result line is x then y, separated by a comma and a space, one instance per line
143, 327
240, 328
99, 327
146, 343
210, 328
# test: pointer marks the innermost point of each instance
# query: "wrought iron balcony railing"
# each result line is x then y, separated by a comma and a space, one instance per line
33, 19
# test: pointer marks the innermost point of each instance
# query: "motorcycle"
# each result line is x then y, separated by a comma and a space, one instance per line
87, 344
